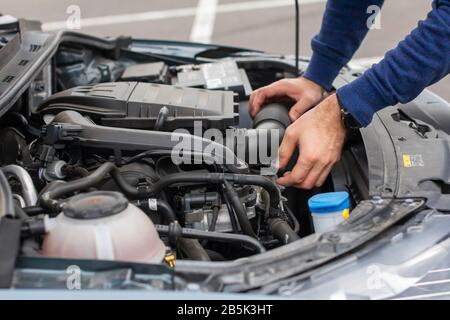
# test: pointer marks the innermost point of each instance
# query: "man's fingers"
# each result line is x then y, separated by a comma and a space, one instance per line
324, 175
300, 108
307, 173
288, 146
286, 179
299, 173
313, 176
259, 96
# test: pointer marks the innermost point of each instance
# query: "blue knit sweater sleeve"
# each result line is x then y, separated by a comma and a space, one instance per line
344, 27
420, 60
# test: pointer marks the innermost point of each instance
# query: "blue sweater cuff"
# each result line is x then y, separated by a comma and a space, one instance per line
361, 99
322, 70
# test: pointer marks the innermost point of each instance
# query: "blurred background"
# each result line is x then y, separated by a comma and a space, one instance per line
259, 24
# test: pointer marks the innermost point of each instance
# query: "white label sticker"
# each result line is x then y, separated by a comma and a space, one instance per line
153, 204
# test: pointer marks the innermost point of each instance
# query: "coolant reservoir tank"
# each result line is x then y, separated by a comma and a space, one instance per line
103, 225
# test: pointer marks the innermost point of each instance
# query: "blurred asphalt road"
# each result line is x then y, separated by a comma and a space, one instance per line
260, 24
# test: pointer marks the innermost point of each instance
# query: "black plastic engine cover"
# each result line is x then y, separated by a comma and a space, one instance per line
137, 105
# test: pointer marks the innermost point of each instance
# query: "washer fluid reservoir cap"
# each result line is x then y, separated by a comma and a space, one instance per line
95, 205
330, 202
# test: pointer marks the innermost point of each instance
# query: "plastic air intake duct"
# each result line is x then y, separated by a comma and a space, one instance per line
268, 131
273, 116
73, 127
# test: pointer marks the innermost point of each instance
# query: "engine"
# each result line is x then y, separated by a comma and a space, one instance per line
150, 171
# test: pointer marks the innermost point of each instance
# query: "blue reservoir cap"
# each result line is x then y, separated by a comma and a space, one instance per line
329, 202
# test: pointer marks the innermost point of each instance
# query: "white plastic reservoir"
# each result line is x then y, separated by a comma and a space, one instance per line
329, 209
103, 225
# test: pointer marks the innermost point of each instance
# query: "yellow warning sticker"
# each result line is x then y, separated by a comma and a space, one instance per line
406, 160
413, 160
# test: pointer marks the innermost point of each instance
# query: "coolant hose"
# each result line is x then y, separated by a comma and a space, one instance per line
239, 209
282, 231
49, 198
218, 178
176, 230
193, 249
279, 228
166, 210
158, 205
20, 213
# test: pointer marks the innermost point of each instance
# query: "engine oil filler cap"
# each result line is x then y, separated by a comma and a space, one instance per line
95, 205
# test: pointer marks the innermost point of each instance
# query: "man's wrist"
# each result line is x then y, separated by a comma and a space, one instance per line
348, 120
315, 84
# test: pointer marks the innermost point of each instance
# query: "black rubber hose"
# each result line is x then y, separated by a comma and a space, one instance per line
230, 211
216, 178
239, 209
294, 219
278, 227
214, 255
82, 172
49, 198
212, 225
193, 249
33, 210
215, 236
70, 171
166, 210
282, 231
20, 213
6, 198
162, 207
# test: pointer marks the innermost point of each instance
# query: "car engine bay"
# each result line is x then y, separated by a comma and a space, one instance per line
149, 160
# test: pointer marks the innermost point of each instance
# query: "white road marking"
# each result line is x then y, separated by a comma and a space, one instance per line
203, 26
176, 13
124, 18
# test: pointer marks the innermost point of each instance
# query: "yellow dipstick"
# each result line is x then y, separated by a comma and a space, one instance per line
170, 260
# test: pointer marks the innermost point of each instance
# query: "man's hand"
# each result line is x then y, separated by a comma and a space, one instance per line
304, 92
319, 134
